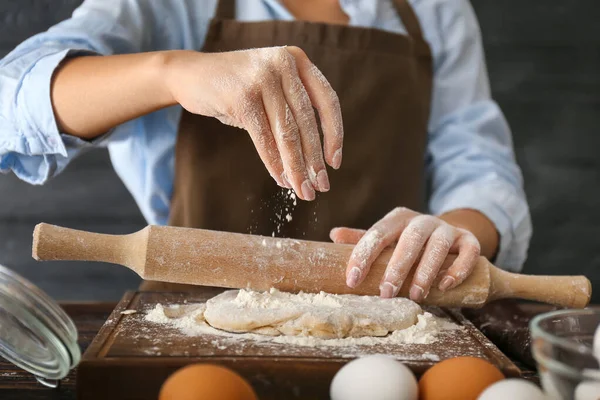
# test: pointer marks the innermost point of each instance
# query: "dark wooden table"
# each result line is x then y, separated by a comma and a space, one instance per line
505, 323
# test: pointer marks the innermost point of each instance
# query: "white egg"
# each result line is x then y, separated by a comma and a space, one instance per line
587, 390
377, 377
513, 389
597, 343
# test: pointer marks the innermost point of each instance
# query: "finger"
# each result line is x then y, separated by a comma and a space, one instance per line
346, 235
407, 251
370, 246
469, 250
432, 260
260, 132
299, 103
325, 100
287, 137
349, 236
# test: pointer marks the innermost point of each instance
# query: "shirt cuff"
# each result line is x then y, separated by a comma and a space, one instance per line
507, 210
46, 150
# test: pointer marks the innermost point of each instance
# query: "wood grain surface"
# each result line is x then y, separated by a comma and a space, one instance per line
130, 357
89, 318
235, 260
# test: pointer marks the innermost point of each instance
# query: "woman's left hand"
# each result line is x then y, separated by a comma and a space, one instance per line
415, 233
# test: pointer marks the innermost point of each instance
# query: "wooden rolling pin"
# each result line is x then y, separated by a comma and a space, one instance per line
210, 258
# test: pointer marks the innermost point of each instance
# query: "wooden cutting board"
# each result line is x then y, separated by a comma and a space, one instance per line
130, 357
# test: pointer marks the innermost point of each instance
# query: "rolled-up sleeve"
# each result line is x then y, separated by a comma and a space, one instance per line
31, 144
470, 161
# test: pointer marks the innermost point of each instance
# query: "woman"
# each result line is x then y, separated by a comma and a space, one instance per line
400, 85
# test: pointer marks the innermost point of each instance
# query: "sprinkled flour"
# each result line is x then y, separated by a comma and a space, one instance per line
249, 298
189, 320
283, 212
287, 209
281, 207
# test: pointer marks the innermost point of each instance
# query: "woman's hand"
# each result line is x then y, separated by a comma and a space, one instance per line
415, 234
271, 93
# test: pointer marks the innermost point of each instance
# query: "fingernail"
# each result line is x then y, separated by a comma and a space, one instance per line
387, 290
323, 181
446, 283
416, 293
337, 159
307, 190
353, 277
285, 180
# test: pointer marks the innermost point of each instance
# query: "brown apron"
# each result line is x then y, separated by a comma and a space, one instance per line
383, 81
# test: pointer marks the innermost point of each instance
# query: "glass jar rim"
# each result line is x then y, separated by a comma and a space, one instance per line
538, 332
36, 335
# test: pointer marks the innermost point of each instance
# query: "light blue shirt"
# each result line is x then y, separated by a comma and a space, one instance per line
470, 160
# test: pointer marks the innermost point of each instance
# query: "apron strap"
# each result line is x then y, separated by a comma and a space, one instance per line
225, 9
409, 19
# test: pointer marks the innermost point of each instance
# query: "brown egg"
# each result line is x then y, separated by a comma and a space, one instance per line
206, 382
460, 378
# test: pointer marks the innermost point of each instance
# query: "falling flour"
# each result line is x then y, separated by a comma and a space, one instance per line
282, 213
281, 207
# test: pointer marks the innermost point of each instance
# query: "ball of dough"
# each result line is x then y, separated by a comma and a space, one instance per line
205, 381
513, 389
375, 377
460, 378
322, 315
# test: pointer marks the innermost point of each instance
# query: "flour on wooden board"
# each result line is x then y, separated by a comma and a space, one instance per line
190, 320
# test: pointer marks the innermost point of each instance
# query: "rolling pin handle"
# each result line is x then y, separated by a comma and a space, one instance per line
54, 243
562, 291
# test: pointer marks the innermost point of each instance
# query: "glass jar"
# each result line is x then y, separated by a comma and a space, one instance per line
562, 345
35, 333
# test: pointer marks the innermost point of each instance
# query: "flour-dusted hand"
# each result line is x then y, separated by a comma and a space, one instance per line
269, 92
415, 234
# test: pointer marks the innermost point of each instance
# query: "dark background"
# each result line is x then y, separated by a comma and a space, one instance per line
544, 61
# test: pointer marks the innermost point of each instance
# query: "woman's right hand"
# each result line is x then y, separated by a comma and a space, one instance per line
269, 92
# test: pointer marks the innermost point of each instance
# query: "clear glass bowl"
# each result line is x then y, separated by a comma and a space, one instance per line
35, 333
562, 345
